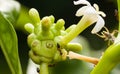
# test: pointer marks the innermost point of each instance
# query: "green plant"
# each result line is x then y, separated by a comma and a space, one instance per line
49, 42
8, 37
45, 40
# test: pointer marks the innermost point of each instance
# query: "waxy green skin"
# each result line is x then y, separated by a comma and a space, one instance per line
9, 45
109, 60
45, 40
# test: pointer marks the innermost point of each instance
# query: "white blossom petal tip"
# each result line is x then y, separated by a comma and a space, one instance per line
97, 10
89, 11
96, 7
81, 11
81, 2
102, 13
99, 25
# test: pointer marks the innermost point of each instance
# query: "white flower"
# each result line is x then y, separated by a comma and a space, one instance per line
7, 5
91, 12
32, 67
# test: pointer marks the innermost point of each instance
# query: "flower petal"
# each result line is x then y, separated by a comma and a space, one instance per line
99, 25
96, 7
6, 5
81, 11
32, 67
102, 13
91, 10
81, 2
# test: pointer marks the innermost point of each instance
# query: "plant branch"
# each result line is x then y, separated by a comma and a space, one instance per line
118, 36
73, 55
44, 68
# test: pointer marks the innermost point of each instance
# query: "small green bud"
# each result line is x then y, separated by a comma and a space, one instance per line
60, 24
74, 47
29, 27
45, 29
31, 38
52, 18
34, 16
46, 23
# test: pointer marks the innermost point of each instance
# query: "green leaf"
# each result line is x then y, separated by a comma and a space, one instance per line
9, 45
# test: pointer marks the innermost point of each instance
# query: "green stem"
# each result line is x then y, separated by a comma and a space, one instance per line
109, 60
104, 68
118, 36
118, 2
44, 68
85, 22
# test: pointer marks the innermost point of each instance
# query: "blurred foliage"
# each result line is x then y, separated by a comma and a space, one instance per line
9, 45
9, 11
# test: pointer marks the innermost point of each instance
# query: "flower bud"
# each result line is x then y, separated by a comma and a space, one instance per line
29, 27
34, 16
60, 24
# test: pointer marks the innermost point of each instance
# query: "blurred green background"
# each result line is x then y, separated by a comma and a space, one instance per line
63, 9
